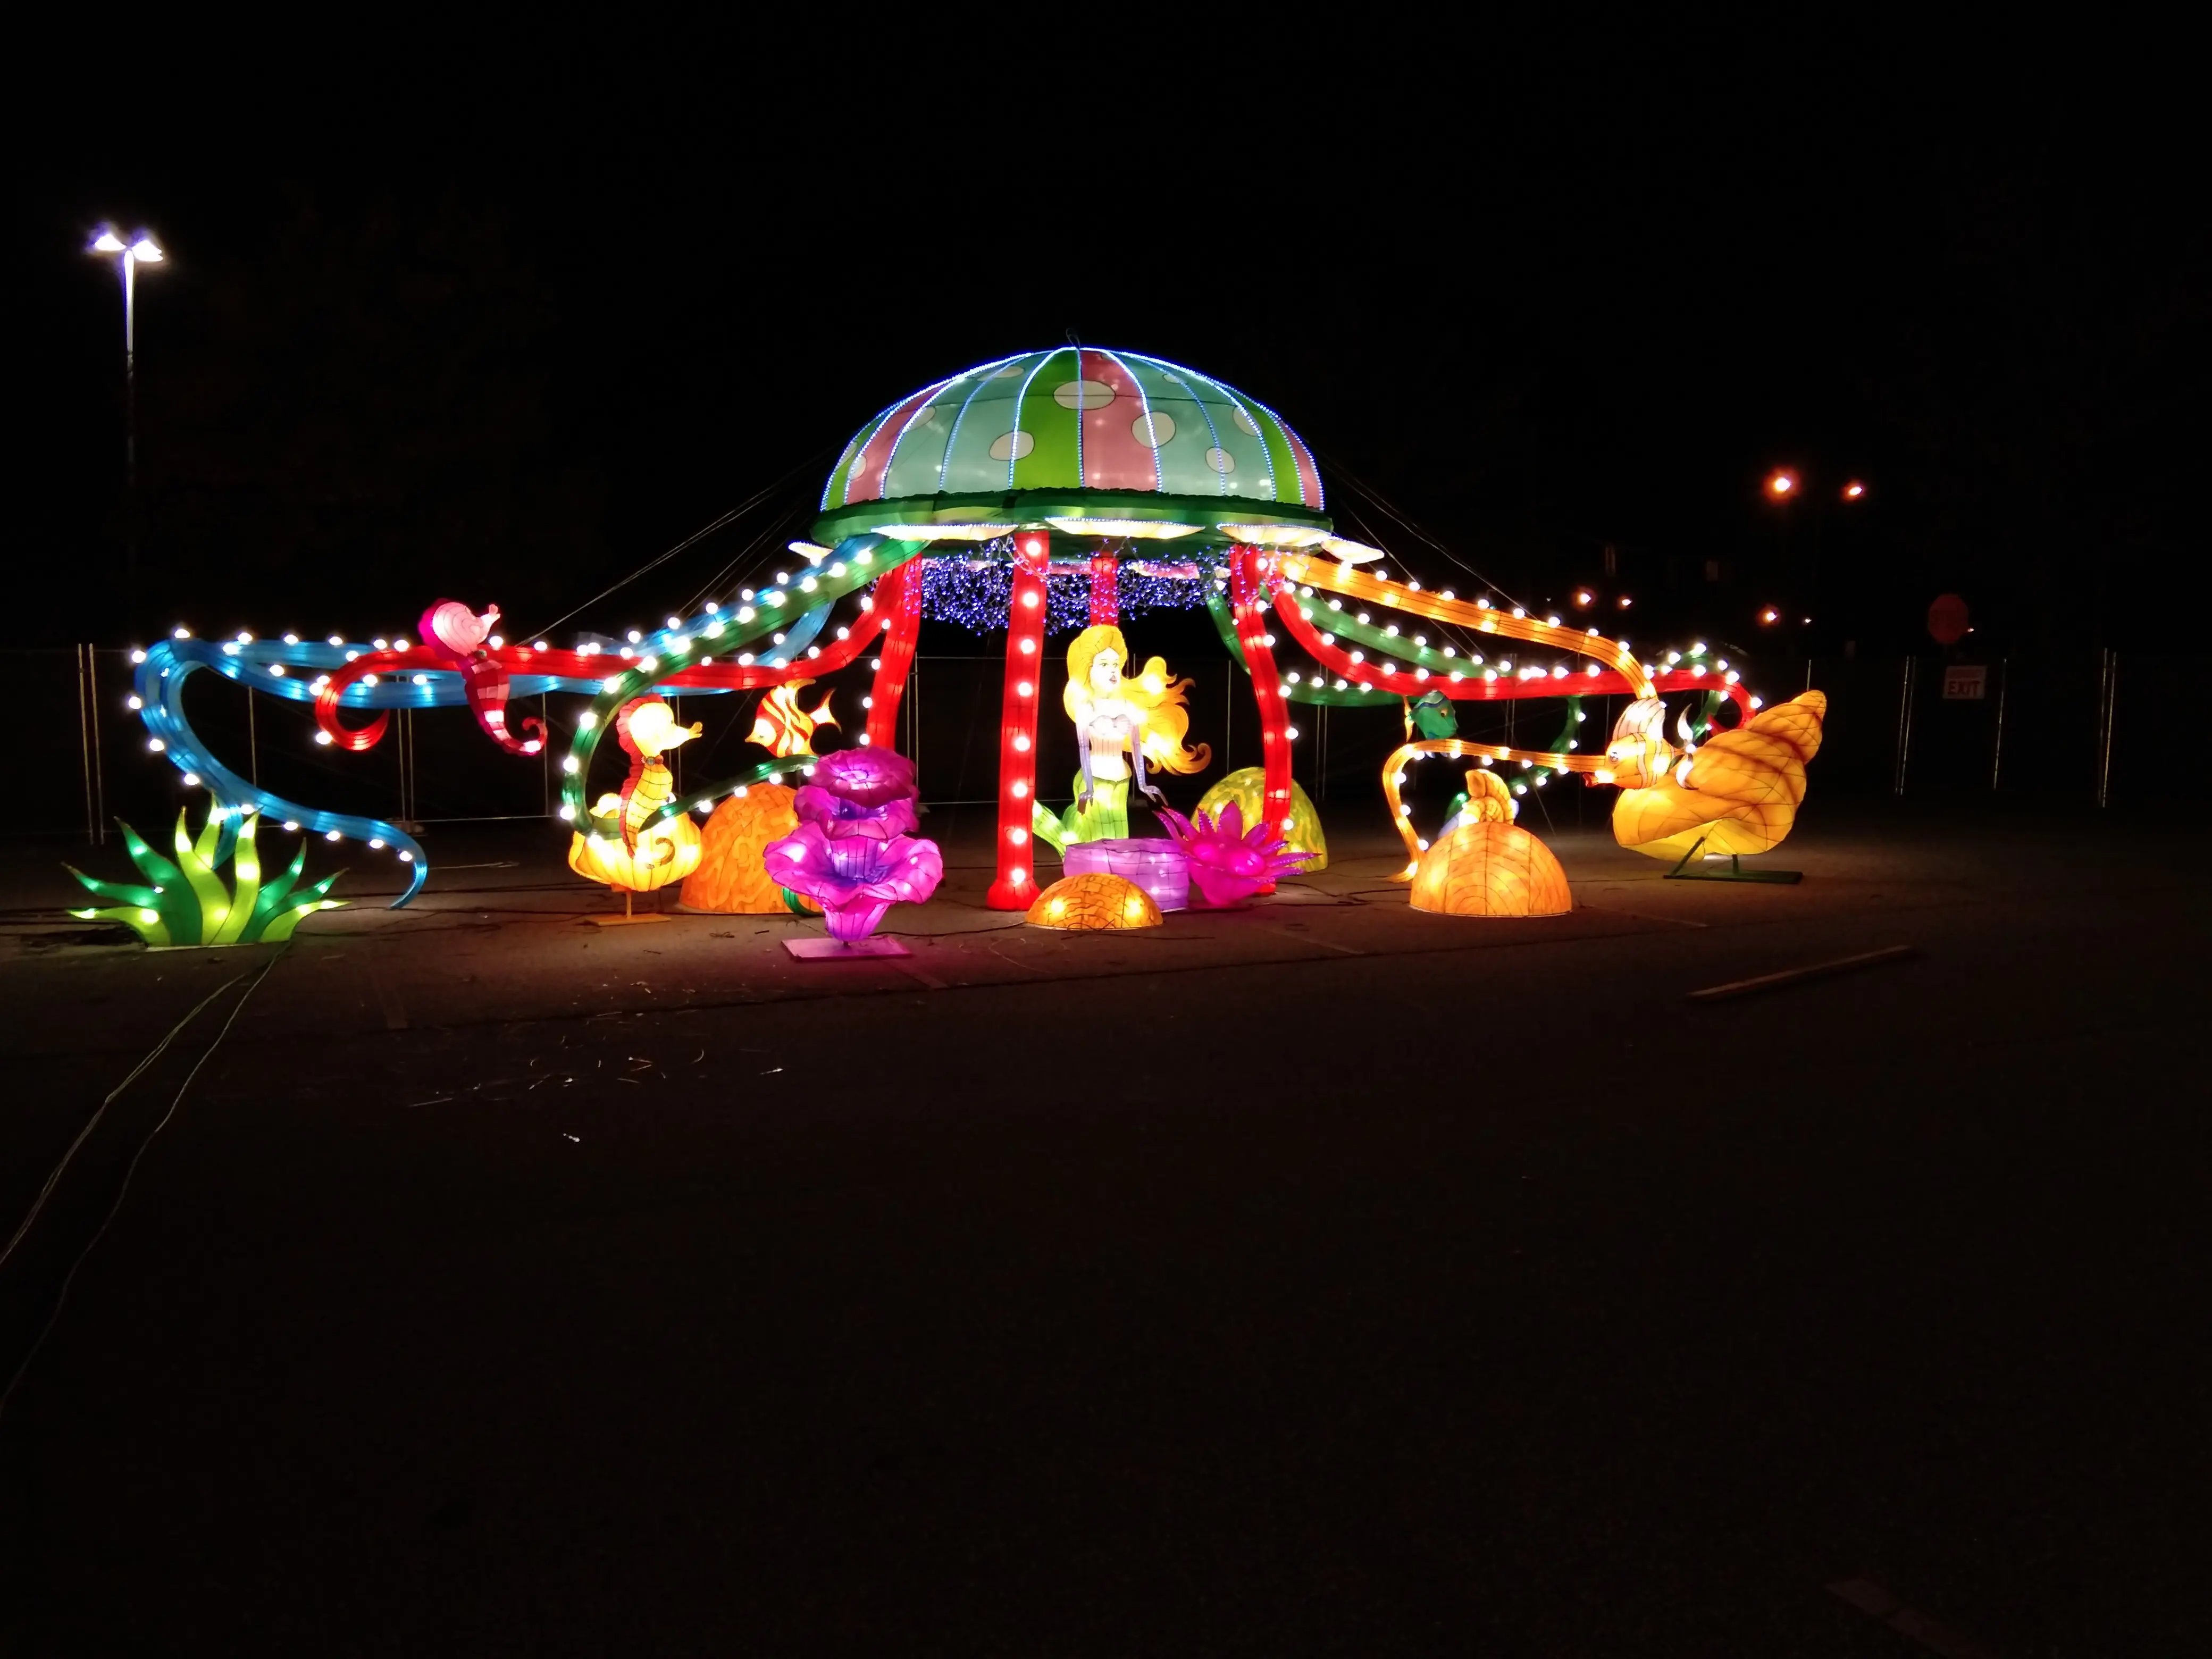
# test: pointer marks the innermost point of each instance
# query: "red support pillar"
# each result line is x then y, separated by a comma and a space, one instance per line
897, 599
1249, 569
1015, 886
1105, 590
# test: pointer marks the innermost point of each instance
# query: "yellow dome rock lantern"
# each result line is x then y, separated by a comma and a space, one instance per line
1489, 866
1092, 903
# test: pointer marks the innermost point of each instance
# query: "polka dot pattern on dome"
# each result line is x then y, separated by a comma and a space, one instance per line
1076, 417
1082, 394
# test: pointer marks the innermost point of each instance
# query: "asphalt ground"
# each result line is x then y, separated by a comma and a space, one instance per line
1325, 1278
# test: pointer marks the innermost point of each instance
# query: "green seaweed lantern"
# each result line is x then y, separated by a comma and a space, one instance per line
187, 902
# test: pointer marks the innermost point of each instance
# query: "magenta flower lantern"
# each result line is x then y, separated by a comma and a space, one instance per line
854, 850
1229, 864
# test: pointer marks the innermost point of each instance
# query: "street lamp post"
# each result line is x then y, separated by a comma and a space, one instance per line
140, 250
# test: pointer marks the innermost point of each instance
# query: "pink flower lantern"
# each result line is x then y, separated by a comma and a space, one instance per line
854, 850
1229, 864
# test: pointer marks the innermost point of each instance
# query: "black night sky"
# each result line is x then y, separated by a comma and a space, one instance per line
507, 341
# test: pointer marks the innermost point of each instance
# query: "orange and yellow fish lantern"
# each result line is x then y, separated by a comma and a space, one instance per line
783, 727
628, 848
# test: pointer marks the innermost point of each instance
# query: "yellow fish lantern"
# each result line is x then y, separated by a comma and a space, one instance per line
783, 727
1639, 753
1738, 792
627, 848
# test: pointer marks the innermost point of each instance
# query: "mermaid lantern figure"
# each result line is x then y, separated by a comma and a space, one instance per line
1121, 725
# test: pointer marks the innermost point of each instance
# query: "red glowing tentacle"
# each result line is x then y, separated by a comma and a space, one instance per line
1249, 571
1016, 885
342, 680
707, 676
897, 609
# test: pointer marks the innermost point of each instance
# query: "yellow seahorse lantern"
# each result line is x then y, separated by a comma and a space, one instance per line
626, 848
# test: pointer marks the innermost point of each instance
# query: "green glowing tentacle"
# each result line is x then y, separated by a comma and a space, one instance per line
1306, 691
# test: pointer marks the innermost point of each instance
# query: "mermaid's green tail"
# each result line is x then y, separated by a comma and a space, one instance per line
1107, 820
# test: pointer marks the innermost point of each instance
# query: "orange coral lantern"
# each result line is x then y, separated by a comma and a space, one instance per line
1489, 866
1094, 903
732, 878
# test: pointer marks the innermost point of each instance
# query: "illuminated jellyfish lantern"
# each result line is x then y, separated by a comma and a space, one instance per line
1063, 493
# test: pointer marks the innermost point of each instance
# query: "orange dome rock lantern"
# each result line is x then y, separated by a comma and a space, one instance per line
1094, 903
731, 879
1489, 866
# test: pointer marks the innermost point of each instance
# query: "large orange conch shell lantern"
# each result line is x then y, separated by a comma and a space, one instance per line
732, 877
629, 847
1738, 792
1489, 866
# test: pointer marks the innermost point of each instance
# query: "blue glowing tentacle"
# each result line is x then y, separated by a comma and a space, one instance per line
161, 688
249, 665
796, 638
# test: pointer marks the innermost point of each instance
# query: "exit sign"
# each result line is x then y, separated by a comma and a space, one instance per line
1966, 683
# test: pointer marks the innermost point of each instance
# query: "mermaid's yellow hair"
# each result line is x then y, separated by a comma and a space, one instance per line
1151, 693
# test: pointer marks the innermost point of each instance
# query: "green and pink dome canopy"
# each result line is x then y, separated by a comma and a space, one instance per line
1077, 432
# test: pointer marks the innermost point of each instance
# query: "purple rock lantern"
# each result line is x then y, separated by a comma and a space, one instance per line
1159, 867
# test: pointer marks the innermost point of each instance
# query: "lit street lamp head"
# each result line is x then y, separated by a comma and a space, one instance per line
1781, 485
141, 250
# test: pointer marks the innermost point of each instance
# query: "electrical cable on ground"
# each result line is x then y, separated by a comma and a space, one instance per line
61, 1297
93, 1122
